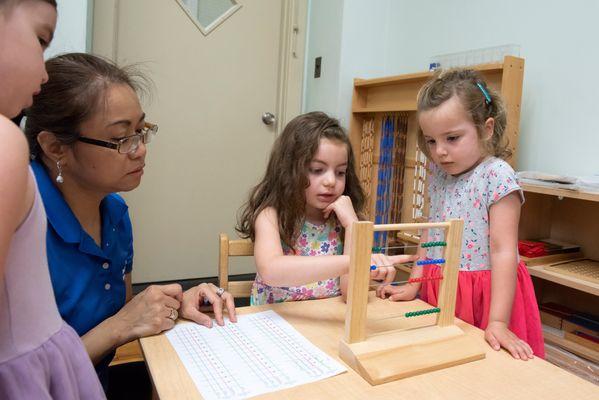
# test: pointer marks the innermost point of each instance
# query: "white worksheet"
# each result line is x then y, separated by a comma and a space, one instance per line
260, 353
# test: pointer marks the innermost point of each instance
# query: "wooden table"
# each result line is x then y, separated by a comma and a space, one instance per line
498, 376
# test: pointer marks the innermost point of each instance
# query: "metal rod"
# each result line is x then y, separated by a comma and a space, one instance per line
411, 314
411, 226
409, 246
411, 280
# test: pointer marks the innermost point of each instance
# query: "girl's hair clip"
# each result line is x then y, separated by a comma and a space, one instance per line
485, 93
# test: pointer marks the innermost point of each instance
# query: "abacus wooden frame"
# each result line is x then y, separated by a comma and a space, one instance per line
401, 353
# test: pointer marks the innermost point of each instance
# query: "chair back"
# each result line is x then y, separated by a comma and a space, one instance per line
233, 248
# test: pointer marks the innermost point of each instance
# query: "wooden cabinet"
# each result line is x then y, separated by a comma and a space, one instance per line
572, 217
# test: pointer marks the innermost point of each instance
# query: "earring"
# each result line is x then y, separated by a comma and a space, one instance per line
59, 178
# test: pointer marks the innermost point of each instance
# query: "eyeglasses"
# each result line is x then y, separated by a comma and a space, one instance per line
128, 144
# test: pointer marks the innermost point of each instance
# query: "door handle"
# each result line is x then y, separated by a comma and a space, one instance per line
268, 118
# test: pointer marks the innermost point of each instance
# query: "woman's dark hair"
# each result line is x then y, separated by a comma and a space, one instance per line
76, 89
286, 178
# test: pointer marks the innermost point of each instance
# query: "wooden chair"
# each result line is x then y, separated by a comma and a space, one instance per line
129, 352
233, 248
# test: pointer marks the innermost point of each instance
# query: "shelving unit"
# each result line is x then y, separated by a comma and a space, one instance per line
568, 216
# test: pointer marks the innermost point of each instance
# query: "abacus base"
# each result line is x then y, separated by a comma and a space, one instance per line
393, 355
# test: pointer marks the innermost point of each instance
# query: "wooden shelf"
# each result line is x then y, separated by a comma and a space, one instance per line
573, 194
572, 347
419, 76
367, 110
586, 286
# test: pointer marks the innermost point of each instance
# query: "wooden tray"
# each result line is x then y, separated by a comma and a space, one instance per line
550, 259
584, 269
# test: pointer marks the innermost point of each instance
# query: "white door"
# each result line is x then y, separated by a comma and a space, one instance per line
212, 146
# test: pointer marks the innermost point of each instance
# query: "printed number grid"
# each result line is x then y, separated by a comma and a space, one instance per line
260, 353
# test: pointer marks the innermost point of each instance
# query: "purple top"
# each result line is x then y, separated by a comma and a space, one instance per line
27, 307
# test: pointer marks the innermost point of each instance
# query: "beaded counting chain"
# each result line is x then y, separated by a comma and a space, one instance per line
407, 350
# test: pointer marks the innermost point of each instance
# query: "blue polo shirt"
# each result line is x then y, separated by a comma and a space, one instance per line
88, 280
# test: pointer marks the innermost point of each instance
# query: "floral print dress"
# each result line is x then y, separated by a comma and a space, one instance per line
313, 240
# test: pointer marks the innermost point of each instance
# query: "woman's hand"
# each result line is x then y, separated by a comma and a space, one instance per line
343, 209
398, 293
498, 335
205, 297
150, 312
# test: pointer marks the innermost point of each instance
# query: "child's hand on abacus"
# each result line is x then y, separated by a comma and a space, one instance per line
405, 292
343, 209
385, 266
498, 335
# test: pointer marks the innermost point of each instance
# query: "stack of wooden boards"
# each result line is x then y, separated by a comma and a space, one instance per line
571, 340
576, 327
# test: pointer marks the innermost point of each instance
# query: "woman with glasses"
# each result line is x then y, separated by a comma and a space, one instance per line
88, 135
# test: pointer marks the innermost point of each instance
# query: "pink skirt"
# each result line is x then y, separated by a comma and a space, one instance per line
473, 302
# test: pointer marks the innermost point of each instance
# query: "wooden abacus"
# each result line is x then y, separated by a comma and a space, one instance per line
401, 353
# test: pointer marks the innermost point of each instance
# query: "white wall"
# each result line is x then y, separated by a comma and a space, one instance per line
558, 42
366, 31
324, 39
73, 30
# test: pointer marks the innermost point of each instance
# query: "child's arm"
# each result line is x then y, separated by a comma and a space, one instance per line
385, 270
345, 213
277, 269
503, 231
16, 185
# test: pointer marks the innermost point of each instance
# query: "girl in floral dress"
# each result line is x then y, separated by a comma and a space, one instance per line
462, 125
304, 207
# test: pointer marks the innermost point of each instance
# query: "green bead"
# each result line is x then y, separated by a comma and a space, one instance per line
422, 312
433, 244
